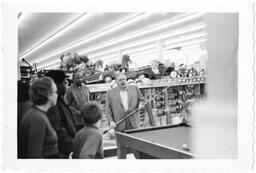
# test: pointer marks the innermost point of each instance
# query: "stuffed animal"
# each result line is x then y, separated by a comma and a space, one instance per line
72, 60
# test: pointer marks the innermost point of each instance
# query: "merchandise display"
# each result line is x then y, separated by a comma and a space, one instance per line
171, 106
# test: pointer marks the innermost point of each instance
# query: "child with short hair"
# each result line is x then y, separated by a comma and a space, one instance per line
88, 141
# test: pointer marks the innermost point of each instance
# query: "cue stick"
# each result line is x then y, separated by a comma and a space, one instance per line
130, 114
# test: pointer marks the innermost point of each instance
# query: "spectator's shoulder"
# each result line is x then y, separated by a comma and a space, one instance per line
91, 131
96, 133
35, 117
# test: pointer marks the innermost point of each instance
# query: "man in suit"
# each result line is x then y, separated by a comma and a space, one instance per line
77, 94
120, 101
61, 116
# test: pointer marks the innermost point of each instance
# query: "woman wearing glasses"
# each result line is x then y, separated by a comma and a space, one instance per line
37, 138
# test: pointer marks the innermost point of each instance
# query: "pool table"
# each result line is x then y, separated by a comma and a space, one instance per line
164, 142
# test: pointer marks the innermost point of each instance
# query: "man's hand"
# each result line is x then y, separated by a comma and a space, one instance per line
112, 125
141, 106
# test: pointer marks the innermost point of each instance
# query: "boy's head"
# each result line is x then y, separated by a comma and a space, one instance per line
91, 112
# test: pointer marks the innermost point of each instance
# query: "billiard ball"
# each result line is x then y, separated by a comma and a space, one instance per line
185, 147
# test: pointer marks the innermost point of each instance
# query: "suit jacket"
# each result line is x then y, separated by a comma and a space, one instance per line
75, 98
115, 109
62, 121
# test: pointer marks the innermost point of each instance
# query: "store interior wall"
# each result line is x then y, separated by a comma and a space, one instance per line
216, 117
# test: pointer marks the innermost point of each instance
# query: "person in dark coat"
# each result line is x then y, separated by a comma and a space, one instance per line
88, 141
23, 104
61, 116
23, 98
37, 138
77, 94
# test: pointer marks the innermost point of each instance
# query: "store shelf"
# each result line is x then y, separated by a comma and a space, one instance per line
171, 106
94, 88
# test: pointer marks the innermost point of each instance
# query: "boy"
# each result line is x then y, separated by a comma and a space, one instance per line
88, 141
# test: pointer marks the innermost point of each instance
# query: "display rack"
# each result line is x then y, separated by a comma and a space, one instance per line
171, 107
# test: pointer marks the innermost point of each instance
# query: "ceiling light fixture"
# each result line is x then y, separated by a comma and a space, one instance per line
163, 36
171, 22
194, 28
124, 22
174, 21
57, 33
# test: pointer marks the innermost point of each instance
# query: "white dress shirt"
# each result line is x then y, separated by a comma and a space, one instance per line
124, 97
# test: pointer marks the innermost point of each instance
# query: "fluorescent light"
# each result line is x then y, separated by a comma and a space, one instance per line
56, 34
128, 37
171, 34
165, 25
107, 30
151, 40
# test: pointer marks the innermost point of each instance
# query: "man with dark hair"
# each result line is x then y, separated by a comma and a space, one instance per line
88, 141
61, 116
77, 94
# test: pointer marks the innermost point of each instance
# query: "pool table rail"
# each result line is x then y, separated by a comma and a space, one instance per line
152, 150
156, 128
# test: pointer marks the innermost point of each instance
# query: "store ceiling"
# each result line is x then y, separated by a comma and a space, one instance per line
44, 37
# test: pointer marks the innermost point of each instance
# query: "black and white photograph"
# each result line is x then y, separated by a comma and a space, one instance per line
112, 86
